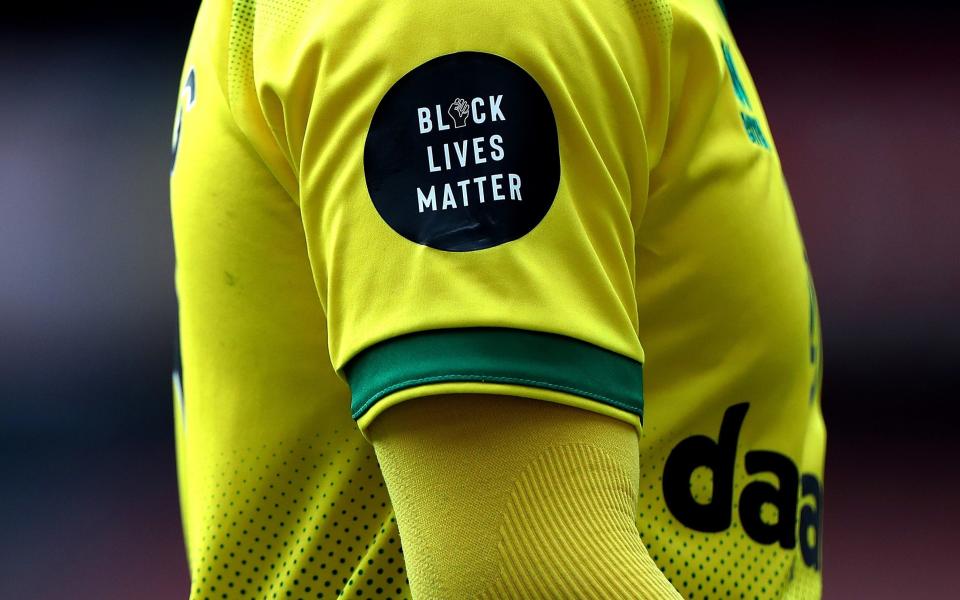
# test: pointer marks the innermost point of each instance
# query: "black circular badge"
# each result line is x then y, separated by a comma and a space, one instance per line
462, 153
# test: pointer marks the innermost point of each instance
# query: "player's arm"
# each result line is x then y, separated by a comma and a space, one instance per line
470, 180
507, 497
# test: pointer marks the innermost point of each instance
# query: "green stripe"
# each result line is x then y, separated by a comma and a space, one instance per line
495, 355
723, 7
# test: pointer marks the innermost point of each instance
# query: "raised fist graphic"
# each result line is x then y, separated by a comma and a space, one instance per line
459, 111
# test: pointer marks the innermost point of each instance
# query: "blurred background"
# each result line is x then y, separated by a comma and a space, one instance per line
864, 102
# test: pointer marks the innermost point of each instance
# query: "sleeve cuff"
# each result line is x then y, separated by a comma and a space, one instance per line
500, 361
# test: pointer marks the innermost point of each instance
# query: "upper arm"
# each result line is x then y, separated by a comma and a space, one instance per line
500, 497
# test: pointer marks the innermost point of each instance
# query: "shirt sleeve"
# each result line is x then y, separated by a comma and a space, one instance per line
470, 176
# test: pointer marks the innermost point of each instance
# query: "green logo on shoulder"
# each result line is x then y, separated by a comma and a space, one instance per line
750, 123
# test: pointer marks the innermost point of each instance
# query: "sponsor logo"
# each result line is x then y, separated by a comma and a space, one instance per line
796, 497
751, 125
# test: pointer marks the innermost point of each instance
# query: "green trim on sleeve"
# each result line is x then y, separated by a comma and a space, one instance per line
723, 7
495, 355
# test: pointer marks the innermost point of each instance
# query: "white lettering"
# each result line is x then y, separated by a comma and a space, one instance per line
478, 151
448, 201
515, 187
433, 168
427, 201
441, 126
495, 108
496, 142
476, 105
461, 152
446, 154
463, 190
479, 181
496, 185
426, 125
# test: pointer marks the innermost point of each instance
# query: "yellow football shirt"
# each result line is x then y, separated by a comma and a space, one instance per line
574, 202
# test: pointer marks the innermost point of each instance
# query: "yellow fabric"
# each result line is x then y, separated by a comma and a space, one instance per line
439, 389
538, 500
590, 298
672, 240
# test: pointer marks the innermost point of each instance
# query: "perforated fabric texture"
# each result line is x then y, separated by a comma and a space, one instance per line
306, 519
240, 50
655, 16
